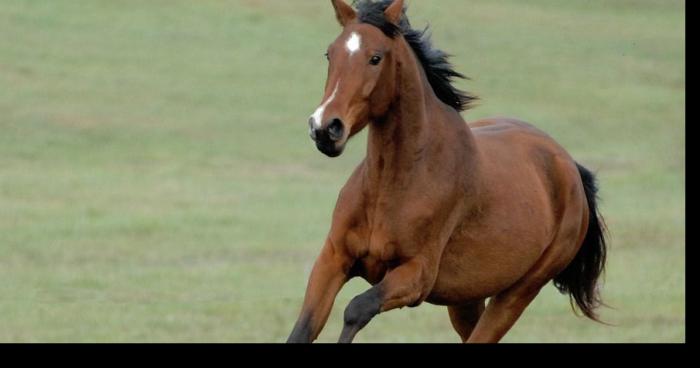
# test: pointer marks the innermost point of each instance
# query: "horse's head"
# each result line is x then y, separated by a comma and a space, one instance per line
361, 77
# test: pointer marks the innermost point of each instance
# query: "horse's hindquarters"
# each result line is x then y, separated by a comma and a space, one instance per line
527, 221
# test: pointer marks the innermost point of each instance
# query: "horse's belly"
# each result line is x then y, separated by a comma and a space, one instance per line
473, 269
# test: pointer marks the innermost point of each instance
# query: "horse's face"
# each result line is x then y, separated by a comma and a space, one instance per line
360, 84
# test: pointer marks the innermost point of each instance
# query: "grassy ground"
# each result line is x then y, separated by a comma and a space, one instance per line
157, 182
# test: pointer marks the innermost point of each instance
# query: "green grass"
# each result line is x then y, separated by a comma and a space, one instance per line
157, 183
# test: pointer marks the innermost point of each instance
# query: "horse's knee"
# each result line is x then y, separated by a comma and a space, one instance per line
363, 308
302, 330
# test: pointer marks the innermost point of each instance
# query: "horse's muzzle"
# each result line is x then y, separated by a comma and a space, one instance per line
329, 139
329, 149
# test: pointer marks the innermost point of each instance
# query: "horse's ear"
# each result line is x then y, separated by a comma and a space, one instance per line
344, 12
394, 12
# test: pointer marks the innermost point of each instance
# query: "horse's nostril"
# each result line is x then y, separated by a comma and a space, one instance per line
336, 130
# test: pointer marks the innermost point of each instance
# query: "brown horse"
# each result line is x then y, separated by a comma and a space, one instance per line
441, 211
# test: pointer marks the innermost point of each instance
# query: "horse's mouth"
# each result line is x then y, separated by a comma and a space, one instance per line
329, 149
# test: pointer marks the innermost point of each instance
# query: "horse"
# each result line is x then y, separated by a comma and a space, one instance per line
441, 211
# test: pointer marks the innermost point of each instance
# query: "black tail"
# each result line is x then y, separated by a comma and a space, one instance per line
580, 278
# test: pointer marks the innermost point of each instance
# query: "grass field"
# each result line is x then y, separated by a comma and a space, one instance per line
157, 183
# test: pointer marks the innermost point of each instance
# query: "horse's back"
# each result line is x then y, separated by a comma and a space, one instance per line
519, 155
504, 140
505, 128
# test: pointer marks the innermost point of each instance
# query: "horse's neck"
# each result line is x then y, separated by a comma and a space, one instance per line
415, 124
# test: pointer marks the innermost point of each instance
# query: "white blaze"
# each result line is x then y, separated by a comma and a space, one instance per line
318, 114
353, 43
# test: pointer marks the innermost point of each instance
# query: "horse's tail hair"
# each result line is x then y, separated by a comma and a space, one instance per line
580, 278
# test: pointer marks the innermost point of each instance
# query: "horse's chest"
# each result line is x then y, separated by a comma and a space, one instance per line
375, 252
384, 235
373, 243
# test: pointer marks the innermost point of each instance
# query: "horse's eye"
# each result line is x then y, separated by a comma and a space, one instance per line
327, 57
375, 60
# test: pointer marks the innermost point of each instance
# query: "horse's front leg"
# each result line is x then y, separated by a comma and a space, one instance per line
329, 274
406, 285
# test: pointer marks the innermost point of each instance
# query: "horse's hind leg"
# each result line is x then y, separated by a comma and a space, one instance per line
505, 308
502, 312
465, 317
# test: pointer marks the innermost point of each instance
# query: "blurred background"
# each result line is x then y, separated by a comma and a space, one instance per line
157, 182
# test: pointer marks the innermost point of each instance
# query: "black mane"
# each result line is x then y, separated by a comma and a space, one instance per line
438, 69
